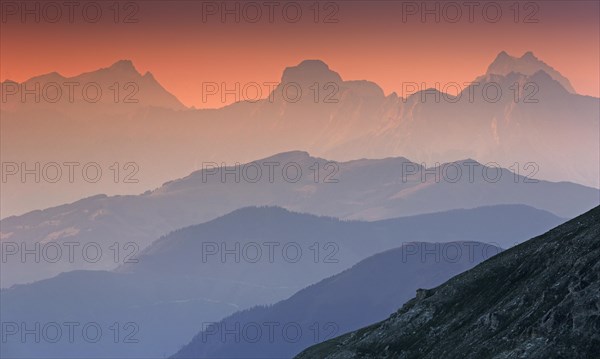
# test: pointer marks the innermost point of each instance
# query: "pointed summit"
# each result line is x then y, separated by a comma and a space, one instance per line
528, 64
123, 65
529, 56
502, 55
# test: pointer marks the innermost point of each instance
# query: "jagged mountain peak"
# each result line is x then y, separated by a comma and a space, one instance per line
529, 56
528, 64
123, 65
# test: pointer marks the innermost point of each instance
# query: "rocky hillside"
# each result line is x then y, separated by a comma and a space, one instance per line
540, 299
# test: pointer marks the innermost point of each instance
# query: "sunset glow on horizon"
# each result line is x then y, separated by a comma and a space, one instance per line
396, 46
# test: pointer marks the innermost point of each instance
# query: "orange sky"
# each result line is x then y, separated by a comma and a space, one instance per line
369, 41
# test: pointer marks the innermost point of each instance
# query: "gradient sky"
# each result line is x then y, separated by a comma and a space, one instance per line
370, 41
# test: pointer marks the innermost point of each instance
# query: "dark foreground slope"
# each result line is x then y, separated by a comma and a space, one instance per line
540, 299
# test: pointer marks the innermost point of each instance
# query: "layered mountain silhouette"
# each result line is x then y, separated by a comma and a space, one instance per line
119, 88
205, 272
536, 300
520, 114
361, 295
365, 189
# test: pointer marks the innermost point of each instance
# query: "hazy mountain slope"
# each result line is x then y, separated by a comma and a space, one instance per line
178, 282
359, 296
537, 300
146, 311
341, 243
365, 189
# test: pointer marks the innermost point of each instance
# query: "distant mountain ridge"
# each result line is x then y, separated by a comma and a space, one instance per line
305, 73
528, 64
532, 126
118, 88
365, 189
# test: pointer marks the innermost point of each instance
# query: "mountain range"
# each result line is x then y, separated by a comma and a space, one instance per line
202, 220
362, 189
528, 118
205, 272
528, 64
78, 95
